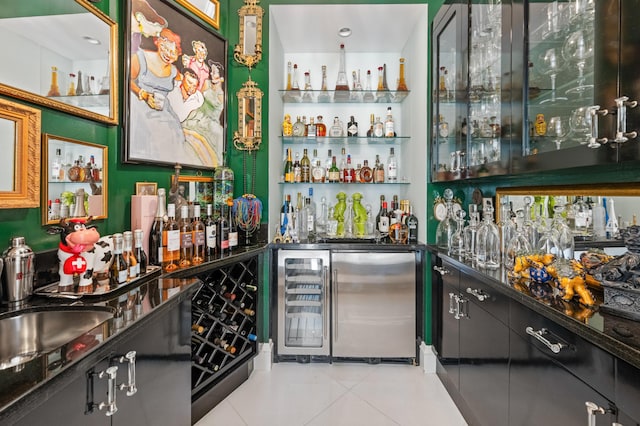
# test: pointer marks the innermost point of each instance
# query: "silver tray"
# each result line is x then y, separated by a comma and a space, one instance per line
99, 288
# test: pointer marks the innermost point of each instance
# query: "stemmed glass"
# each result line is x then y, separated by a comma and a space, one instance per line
580, 124
551, 66
578, 48
557, 129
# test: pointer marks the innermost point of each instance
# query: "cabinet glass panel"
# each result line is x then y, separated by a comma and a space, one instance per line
449, 95
560, 77
304, 302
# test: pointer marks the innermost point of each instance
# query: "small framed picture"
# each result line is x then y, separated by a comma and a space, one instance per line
146, 188
194, 189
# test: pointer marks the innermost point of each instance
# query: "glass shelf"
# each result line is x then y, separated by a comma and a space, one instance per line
84, 101
359, 140
332, 96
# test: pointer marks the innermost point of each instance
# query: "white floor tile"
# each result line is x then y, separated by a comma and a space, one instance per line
339, 394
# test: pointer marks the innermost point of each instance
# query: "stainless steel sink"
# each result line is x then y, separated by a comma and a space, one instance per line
31, 332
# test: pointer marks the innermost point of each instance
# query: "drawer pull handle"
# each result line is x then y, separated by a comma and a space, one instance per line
539, 335
441, 270
592, 410
479, 294
130, 386
110, 405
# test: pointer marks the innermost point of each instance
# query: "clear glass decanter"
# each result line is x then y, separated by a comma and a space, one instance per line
548, 243
563, 233
447, 226
457, 239
488, 242
529, 227
519, 244
470, 233
506, 227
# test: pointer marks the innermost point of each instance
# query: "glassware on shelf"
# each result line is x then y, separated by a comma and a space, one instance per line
342, 84
578, 49
529, 227
488, 241
519, 244
456, 247
402, 83
447, 226
550, 65
548, 242
563, 233
506, 227
471, 233
557, 130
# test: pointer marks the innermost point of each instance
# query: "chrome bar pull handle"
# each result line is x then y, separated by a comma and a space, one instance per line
459, 313
594, 112
335, 303
441, 270
592, 410
130, 386
325, 307
539, 335
479, 294
622, 103
451, 308
110, 405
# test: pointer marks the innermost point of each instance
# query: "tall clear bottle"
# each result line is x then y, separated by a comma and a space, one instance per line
447, 226
170, 241
392, 166
488, 242
199, 237
342, 84
223, 179
506, 227
563, 232
471, 233
155, 235
402, 84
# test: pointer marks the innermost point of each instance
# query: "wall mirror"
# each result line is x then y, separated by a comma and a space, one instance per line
207, 10
249, 134
72, 165
249, 51
63, 55
626, 197
20, 159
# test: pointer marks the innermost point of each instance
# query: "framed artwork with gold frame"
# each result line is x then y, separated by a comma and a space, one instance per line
207, 10
195, 189
146, 188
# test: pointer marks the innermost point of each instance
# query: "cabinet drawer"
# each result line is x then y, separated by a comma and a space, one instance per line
588, 362
628, 389
485, 297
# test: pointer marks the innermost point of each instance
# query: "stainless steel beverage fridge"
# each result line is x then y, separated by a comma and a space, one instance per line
303, 292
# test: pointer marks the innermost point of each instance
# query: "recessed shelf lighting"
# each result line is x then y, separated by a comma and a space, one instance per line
91, 40
344, 32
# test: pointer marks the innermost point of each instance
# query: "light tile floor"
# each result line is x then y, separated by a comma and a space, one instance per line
339, 394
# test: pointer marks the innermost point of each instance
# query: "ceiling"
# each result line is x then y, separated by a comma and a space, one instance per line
314, 28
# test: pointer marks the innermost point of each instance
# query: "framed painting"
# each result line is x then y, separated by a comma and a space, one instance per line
195, 189
146, 188
207, 10
176, 94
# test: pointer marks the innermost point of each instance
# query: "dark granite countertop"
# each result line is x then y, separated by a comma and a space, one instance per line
615, 334
24, 387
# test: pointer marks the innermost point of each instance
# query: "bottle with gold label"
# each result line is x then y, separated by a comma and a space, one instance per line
540, 126
287, 126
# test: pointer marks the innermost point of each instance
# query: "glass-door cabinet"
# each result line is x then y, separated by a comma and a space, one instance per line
472, 95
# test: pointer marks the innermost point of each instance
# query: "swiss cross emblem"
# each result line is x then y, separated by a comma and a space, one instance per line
79, 263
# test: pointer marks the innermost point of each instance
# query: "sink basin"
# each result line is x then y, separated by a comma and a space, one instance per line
32, 332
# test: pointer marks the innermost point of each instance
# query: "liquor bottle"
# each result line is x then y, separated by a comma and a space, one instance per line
327, 165
334, 171
368, 95
389, 125
286, 213
56, 166
323, 85
380, 79
199, 237
288, 168
54, 89
222, 233
352, 128
412, 223
138, 251
321, 128
317, 173
186, 238
75, 173
197, 328
392, 166
170, 241
155, 235
289, 77
335, 131
298, 128
310, 207
307, 80
378, 173
402, 84
294, 83
306, 126
343, 163
305, 167
297, 169
366, 173
71, 91
312, 129
128, 255
385, 86
382, 219
370, 131
378, 128
210, 233
118, 271
443, 127
357, 173
341, 83
233, 229
348, 174
442, 83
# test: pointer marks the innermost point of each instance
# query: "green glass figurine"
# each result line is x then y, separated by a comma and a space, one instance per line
359, 216
338, 212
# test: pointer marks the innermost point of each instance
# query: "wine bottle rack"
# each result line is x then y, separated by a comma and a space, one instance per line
224, 322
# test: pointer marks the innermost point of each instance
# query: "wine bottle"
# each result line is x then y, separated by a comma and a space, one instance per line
392, 166
118, 271
222, 232
305, 167
155, 235
170, 241
233, 229
198, 238
141, 256
210, 233
412, 223
288, 168
127, 254
186, 238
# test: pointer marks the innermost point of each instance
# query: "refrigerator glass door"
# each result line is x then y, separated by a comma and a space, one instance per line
303, 316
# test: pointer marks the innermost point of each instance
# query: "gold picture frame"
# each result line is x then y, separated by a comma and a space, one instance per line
207, 10
146, 188
194, 189
20, 168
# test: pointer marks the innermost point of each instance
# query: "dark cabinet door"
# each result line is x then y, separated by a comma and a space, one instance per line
447, 322
484, 356
162, 367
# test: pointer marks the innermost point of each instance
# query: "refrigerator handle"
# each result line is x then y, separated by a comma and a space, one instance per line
325, 274
334, 286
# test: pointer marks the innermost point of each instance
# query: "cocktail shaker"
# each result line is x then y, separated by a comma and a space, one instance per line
18, 272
